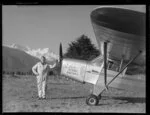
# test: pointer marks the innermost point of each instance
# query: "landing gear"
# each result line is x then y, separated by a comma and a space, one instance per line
93, 100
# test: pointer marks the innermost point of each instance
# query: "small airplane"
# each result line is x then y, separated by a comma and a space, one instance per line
120, 34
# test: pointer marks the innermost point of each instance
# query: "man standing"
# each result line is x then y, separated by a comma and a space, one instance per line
41, 70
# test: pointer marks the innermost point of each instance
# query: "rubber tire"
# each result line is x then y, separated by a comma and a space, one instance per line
92, 100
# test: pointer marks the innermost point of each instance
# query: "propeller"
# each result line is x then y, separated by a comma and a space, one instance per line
60, 53
60, 57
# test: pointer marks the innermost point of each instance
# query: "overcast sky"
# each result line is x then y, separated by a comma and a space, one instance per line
47, 26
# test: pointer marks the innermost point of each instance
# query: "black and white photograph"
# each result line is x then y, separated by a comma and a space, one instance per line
74, 58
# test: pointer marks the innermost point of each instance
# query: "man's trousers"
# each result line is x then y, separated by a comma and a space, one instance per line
41, 85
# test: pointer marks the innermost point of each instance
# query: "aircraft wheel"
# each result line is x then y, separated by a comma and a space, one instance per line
92, 100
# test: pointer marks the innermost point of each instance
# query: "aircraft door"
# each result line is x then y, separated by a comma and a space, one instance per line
92, 74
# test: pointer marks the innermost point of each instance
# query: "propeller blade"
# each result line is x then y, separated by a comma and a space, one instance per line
60, 53
60, 58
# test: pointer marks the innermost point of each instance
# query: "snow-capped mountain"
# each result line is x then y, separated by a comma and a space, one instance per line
17, 46
45, 51
36, 52
15, 60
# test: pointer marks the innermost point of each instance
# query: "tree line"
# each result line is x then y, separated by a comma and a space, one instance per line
5, 72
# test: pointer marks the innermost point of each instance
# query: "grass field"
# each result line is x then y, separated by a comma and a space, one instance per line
20, 95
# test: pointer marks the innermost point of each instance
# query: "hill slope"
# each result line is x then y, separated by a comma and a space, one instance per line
14, 60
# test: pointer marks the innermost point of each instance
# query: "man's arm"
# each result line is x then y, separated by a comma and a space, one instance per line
34, 68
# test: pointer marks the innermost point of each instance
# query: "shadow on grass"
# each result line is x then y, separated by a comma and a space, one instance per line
131, 99
124, 100
59, 83
80, 97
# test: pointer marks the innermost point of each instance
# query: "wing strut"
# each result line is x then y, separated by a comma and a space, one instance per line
105, 63
122, 70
